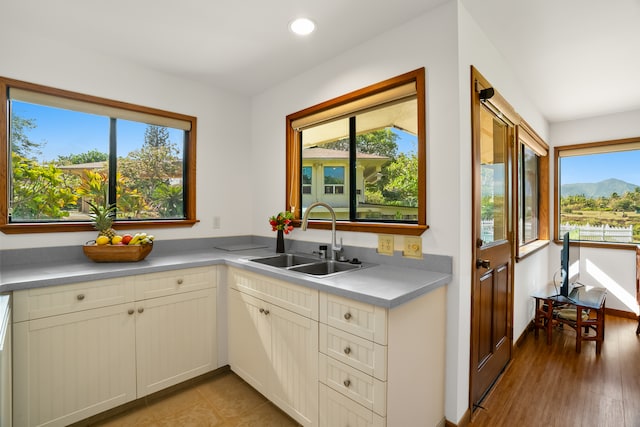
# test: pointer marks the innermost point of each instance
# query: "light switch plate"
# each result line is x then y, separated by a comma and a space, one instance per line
385, 244
412, 247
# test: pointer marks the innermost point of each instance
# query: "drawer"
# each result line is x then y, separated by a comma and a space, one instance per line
364, 389
336, 411
296, 298
54, 300
172, 282
364, 355
364, 320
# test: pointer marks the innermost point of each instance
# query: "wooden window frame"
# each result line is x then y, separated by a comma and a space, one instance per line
293, 158
525, 135
21, 228
599, 146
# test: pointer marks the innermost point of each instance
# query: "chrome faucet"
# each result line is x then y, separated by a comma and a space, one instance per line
334, 246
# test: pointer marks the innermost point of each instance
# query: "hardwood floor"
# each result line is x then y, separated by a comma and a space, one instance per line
552, 385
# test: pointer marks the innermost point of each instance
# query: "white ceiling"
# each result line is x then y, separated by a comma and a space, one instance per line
575, 58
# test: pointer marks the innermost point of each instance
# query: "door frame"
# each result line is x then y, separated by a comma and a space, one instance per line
498, 103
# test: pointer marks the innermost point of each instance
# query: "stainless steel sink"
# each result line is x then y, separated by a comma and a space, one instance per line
307, 264
285, 260
326, 267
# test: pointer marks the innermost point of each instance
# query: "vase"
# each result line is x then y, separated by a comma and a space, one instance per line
280, 242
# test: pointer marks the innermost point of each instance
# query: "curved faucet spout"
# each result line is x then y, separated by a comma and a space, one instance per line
305, 219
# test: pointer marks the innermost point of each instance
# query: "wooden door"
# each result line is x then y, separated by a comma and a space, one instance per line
491, 308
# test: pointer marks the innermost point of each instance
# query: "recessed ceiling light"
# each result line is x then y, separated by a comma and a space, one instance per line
302, 26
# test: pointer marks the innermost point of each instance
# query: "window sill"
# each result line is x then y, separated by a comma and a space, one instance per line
531, 248
368, 227
27, 228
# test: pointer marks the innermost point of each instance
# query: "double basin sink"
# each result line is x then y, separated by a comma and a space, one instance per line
308, 264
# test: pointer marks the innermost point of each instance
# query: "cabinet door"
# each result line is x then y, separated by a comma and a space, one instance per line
175, 339
294, 365
338, 411
73, 366
249, 339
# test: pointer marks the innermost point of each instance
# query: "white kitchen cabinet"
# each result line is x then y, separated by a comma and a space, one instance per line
84, 348
381, 366
336, 411
175, 339
272, 344
71, 366
6, 415
249, 339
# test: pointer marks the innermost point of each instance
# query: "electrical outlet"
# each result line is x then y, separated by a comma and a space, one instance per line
385, 244
412, 247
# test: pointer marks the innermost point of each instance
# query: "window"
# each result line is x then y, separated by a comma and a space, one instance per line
368, 150
307, 177
598, 192
528, 195
65, 151
532, 194
334, 180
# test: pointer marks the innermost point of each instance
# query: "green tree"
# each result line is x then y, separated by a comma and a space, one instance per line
381, 142
156, 136
169, 198
91, 156
402, 180
151, 167
39, 191
20, 142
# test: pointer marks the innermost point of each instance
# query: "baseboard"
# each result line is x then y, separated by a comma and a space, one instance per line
464, 421
620, 313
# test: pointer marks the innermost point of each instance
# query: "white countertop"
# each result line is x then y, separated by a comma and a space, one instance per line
383, 285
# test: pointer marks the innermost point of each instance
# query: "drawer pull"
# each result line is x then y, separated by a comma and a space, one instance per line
347, 383
180, 281
131, 311
347, 316
262, 310
266, 312
347, 350
140, 310
80, 297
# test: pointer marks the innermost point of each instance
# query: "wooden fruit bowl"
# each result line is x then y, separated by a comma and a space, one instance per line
117, 253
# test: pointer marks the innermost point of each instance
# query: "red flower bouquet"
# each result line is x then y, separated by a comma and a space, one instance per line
282, 221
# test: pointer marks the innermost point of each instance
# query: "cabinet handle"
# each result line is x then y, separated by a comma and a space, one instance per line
347, 383
347, 316
266, 312
347, 350
180, 281
140, 309
80, 297
262, 310
131, 311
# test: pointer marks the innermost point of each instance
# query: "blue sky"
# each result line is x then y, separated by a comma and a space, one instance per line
598, 167
68, 132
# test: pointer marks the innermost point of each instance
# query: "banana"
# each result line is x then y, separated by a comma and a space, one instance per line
137, 238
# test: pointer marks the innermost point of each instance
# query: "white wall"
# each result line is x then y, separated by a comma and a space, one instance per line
429, 41
223, 171
532, 272
612, 268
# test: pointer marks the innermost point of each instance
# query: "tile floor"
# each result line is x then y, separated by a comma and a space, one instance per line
222, 401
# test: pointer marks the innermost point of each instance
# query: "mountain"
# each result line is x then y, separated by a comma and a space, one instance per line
598, 189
